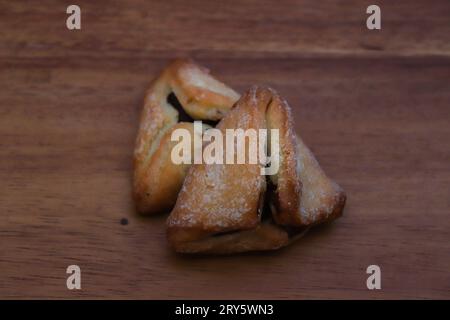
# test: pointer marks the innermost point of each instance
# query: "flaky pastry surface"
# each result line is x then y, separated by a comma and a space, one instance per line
157, 179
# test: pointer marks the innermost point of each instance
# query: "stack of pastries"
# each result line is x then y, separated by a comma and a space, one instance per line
226, 208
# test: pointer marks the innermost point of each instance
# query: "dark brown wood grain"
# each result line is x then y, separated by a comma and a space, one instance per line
374, 106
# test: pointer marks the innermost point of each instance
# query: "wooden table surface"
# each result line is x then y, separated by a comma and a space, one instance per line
374, 106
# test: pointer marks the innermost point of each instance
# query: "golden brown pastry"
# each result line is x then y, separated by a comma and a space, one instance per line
220, 208
303, 195
286, 184
157, 179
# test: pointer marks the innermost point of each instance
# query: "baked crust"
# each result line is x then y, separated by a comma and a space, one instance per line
224, 197
288, 186
303, 194
156, 179
322, 199
265, 236
219, 208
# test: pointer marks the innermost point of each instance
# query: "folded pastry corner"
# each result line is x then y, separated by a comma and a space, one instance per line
202, 96
183, 91
322, 199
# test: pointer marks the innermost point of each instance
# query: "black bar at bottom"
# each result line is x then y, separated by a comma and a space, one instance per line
225, 309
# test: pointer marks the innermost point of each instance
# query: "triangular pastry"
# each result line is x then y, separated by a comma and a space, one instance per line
157, 179
220, 207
